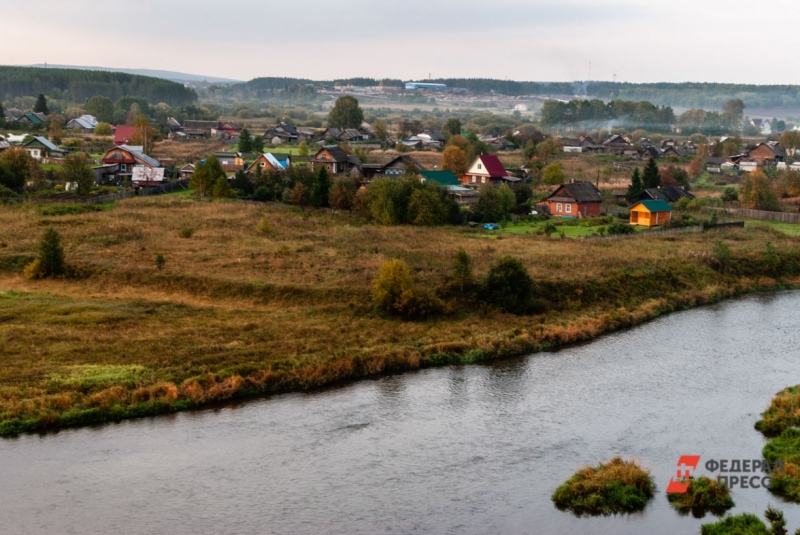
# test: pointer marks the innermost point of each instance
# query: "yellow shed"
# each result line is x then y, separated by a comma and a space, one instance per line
651, 213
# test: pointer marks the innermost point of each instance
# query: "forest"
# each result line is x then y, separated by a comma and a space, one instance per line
75, 85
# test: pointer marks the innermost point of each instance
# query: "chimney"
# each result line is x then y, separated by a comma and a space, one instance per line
572, 181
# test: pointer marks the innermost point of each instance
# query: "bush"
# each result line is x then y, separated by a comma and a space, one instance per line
51, 254
186, 232
703, 496
730, 194
263, 226
160, 262
743, 524
394, 293
33, 270
508, 287
620, 228
615, 487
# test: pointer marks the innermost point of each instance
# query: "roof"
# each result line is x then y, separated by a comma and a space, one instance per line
87, 122
200, 125
654, 206
668, 193
45, 142
493, 165
274, 161
444, 178
337, 153
137, 152
123, 134
774, 148
579, 190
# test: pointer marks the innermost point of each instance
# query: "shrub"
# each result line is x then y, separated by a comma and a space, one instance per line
160, 261
615, 487
730, 194
508, 286
186, 232
743, 524
51, 254
620, 228
394, 293
33, 270
222, 188
462, 269
703, 496
263, 226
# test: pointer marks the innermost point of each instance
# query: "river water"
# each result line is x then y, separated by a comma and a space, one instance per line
463, 449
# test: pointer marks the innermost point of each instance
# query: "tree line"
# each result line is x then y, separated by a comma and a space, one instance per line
622, 113
78, 85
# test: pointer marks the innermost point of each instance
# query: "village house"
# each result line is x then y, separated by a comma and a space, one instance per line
617, 145
40, 148
580, 144
173, 125
665, 193
128, 157
187, 171
266, 162
34, 118
764, 126
573, 199
85, 124
650, 213
765, 154
487, 169
226, 130
200, 129
230, 161
336, 160
393, 168
672, 151
285, 132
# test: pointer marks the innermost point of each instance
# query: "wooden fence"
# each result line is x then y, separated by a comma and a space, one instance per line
783, 217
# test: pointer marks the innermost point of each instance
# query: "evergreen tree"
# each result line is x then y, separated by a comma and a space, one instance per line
321, 189
245, 141
258, 145
41, 105
651, 177
635, 189
51, 254
242, 184
222, 188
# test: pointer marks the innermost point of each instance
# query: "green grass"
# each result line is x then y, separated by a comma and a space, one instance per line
615, 487
57, 209
707, 180
743, 524
703, 496
791, 229
50, 167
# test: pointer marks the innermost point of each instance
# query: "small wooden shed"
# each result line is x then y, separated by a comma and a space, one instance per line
651, 213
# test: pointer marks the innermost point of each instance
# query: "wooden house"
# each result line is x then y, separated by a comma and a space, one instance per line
34, 118
285, 132
40, 147
187, 171
127, 157
266, 162
487, 169
230, 161
651, 213
84, 124
394, 168
227, 130
200, 129
573, 199
335, 160
766, 154
672, 151
665, 193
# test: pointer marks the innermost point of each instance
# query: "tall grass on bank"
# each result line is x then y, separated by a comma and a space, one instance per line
236, 312
618, 486
781, 423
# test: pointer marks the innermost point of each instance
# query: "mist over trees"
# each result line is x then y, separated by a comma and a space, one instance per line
596, 113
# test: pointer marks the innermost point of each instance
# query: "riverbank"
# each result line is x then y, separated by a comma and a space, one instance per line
237, 313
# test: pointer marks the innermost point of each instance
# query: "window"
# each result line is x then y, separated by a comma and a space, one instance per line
483, 180
474, 180
569, 208
263, 164
123, 167
558, 207
479, 166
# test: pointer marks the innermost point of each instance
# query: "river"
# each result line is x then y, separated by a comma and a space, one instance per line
456, 450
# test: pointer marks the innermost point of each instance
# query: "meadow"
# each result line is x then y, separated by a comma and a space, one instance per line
237, 312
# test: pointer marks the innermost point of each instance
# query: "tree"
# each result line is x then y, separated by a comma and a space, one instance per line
790, 142
342, 195
636, 188
242, 183
245, 141
454, 159
554, 174
222, 188
380, 129
103, 129
56, 133
734, 107
76, 170
453, 126
298, 195
320, 189
51, 254
508, 286
462, 269
494, 204
651, 177
206, 175
346, 113
143, 134
756, 192
696, 168
17, 167
425, 208
302, 148
101, 108
41, 105
258, 145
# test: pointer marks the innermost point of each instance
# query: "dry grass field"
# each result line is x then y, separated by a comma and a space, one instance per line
236, 312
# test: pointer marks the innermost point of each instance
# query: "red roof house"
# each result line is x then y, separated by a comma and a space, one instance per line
487, 169
123, 135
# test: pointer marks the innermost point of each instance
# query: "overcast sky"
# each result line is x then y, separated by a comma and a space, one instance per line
557, 40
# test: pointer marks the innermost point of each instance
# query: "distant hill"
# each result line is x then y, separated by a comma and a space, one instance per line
166, 75
76, 85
